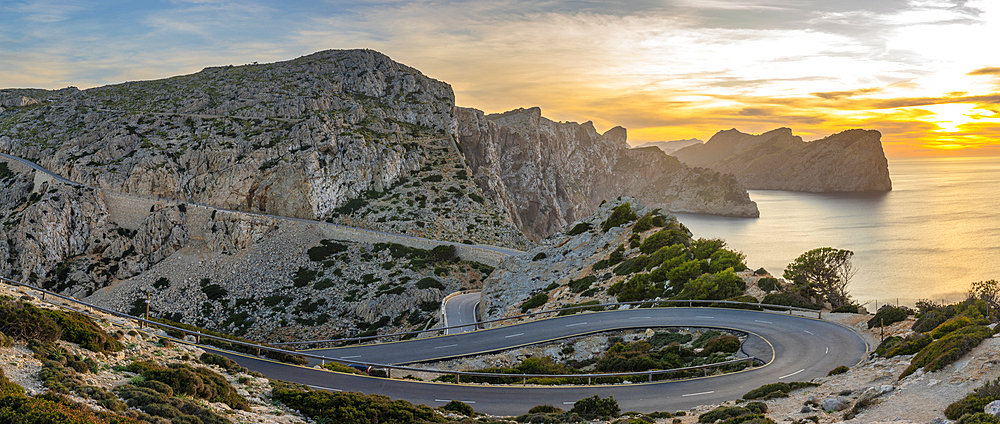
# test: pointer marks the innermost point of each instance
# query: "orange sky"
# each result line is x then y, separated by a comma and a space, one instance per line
925, 73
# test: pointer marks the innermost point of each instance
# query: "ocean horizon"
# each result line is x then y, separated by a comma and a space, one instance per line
934, 234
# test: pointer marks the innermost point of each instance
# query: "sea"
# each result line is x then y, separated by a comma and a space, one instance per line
929, 238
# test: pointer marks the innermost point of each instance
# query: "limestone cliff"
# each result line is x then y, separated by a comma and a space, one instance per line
300, 138
852, 160
548, 174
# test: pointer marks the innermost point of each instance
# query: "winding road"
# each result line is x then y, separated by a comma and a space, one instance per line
792, 348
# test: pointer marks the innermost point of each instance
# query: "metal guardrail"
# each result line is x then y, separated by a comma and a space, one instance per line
652, 303
387, 367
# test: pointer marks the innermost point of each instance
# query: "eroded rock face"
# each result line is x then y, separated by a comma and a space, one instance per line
852, 160
296, 138
547, 174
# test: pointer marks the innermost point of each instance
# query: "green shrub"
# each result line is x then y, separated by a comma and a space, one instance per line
22, 320
888, 315
594, 406
161, 283
428, 283
80, 329
663, 238
665, 338
776, 390
648, 221
929, 321
222, 362
975, 401
635, 289
951, 325
459, 407
768, 284
723, 413
345, 407
53, 409
539, 256
325, 249
197, 382
948, 349
214, 291
302, 278
535, 301
839, 370
631, 266
579, 229
620, 215
724, 343
581, 285
789, 299
978, 418
323, 284
544, 409
847, 309
718, 286
756, 407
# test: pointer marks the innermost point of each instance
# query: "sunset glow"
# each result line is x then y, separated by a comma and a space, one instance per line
924, 73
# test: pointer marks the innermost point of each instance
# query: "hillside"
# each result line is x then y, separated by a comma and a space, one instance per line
852, 160
547, 174
669, 147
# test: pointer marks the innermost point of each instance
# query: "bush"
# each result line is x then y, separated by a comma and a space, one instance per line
722, 413
22, 320
459, 407
593, 407
756, 407
776, 390
847, 308
579, 229
768, 284
839, 370
635, 289
950, 325
544, 409
539, 256
428, 283
222, 362
325, 249
725, 344
789, 299
620, 215
648, 221
948, 349
888, 315
631, 266
581, 285
197, 382
345, 407
535, 301
80, 329
663, 238
53, 409
161, 283
978, 418
975, 401
214, 291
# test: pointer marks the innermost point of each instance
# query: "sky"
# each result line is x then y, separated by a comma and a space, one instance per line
926, 73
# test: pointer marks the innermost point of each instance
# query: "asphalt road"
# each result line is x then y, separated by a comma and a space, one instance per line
461, 310
793, 348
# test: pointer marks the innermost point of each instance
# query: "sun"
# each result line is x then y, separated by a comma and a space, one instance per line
949, 117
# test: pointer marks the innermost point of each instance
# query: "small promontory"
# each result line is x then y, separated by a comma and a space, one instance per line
849, 161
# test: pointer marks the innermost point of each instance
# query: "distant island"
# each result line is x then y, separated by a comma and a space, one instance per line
849, 161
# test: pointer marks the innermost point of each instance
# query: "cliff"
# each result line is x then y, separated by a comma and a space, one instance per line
547, 174
301, 138
852, 160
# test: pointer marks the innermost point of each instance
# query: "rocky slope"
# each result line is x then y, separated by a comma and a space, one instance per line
548, 174
300, 138
852, 160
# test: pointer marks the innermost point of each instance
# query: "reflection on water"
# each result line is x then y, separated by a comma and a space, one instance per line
937, 231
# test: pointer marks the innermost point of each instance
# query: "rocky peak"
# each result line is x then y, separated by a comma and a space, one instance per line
852, 160
617, 135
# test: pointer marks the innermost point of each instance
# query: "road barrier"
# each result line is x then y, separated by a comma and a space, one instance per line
260, 347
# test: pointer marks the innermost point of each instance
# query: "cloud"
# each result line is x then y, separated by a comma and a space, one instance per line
985, 71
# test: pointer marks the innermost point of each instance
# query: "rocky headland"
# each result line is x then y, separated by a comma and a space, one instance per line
852, 160
548, 174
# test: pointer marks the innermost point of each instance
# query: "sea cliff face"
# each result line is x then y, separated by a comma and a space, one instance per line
548, 174
852, 160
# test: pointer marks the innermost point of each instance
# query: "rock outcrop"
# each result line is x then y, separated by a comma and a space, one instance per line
300, 138
669, 147
852, 160
547, 174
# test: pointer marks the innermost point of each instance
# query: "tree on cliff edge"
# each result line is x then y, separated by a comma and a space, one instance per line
826, 272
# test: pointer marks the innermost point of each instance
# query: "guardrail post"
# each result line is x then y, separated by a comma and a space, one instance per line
651, 377
588, 381
457, 377
820, 314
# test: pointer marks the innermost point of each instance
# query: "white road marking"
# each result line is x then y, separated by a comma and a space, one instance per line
442, 347
640, 317
827, 350
765, 322
698, 394
573, 325
513, 335
810, 332
705, 317
789, 375
324, 388
349, 357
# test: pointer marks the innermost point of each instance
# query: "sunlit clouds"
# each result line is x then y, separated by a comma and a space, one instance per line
924, 73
